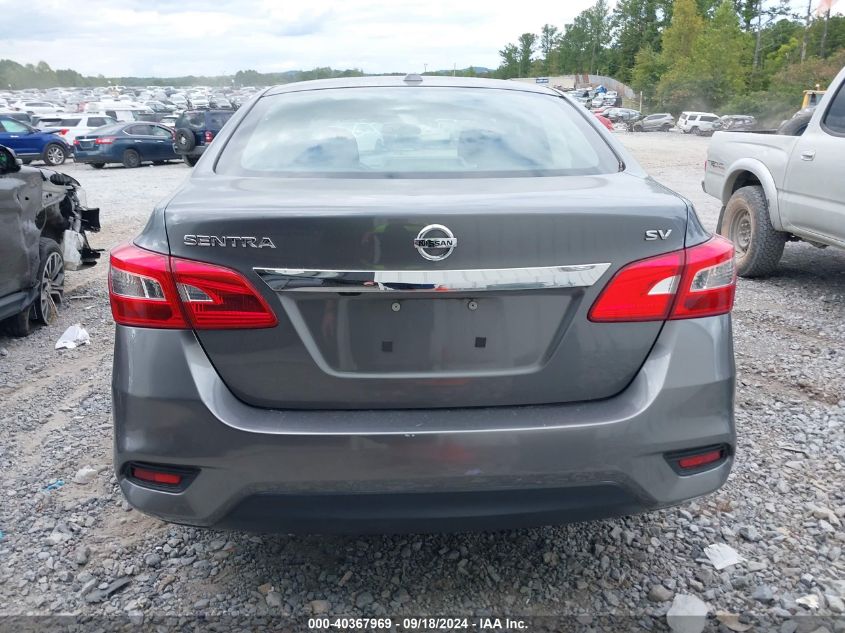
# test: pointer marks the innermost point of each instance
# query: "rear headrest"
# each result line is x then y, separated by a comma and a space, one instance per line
337, 152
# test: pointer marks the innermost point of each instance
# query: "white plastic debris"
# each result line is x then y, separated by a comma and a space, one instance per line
73, 337
722, 555
811, 601
687, 614
85, 475
71, 243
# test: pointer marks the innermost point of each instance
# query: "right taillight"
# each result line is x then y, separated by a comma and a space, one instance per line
149, 289
694, 282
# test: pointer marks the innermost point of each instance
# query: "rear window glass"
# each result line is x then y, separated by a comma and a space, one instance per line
216, 120
710, 118
70, 122
408, 132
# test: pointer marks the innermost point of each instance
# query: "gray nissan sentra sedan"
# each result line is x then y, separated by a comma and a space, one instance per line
416, 304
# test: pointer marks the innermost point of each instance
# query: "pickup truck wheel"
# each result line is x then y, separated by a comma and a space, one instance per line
747, 224
51, 280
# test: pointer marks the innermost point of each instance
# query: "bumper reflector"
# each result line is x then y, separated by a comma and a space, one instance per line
156, 476
697, 461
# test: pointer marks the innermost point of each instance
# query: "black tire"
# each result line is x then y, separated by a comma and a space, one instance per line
638, 128
666, 127
190, 161
131, 159
97, 165
746, 223
26, 161
185, 141
51, 282
797, 125
54, 154
18, 325
159, 162
696, 131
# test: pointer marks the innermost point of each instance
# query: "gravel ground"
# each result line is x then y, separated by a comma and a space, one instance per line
71, 546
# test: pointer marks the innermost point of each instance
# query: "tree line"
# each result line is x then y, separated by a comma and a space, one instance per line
749, 56
15, 76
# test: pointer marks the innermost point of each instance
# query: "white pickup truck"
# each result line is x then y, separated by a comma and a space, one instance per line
776, 188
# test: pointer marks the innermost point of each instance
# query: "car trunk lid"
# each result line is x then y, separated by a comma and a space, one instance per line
367, 321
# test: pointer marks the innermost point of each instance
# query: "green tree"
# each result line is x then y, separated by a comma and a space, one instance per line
549, 40
527, 42
510, 62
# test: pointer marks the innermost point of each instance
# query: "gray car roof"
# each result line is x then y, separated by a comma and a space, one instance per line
398, 81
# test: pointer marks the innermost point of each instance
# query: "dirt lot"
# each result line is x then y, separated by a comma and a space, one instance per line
77, 548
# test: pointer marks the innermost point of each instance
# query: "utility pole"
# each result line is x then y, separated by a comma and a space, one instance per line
425, 68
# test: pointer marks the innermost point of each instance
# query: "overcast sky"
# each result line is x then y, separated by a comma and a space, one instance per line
210, 37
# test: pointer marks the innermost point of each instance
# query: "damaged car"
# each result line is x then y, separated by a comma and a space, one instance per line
43, 226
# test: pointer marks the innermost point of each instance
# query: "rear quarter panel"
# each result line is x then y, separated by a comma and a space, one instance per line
732, 155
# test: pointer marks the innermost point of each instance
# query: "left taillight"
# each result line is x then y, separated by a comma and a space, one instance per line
694, 282
149, 289
209, 136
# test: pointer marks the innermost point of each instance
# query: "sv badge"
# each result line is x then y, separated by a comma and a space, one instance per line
657, 234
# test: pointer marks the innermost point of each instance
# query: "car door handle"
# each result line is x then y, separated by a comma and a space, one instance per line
810, 154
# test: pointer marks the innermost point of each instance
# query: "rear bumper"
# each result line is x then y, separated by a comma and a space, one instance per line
197, 151
419, 470
93, 156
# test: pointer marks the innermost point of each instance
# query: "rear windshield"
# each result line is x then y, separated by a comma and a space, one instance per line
69, 122
415, 132
216, 120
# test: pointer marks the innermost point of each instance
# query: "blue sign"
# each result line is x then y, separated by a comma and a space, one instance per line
542, 80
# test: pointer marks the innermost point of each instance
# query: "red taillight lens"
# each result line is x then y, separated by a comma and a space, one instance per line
695, 282
709, 281
149, 289
209, 136
217, 298
141, 289
156, 476
642, 291
63, 131
104, 140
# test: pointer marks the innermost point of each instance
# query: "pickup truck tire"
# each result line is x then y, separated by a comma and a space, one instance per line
746, 223
796, 125
190, 161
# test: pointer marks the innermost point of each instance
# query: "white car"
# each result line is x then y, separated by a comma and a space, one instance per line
79, 124
198, 103
698, 123
36, 107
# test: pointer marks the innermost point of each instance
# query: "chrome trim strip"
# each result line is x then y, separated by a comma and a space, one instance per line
475, 280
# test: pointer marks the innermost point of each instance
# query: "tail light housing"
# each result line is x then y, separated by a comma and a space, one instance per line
694, 282
209, 136
105, 140
149, 289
